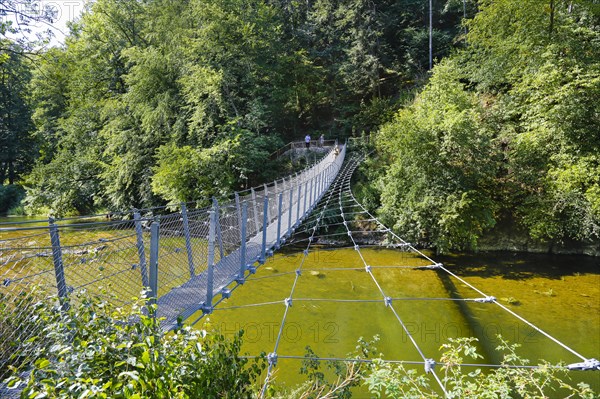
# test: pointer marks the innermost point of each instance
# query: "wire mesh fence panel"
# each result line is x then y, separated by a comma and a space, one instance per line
173, 261
229, 225
198, 221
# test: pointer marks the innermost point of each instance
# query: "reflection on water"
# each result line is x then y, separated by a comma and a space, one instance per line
335, 302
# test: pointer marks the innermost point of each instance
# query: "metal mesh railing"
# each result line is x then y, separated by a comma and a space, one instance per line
185, 258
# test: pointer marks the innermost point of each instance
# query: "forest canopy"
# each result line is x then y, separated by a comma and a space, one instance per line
506, 131
155, 102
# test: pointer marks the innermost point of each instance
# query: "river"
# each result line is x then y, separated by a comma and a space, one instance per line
335, 302
559, 294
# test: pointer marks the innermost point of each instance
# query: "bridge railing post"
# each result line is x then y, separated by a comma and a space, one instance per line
305, 197
255, 207
153, 278
188, 240
137, 220
244, 216
263, 252
279, 220
311, 199
207, 305
266, 193
218, 228
321, 179
290, 209
238, 209
59, 270
316, 191
298, 203
313, 190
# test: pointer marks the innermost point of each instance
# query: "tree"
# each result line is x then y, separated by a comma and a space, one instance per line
435, 190
16, 144
531, 115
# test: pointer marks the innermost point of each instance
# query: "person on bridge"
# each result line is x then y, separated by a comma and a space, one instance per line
307, 141
321, 140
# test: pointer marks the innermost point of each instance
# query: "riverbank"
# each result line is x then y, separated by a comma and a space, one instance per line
506, 237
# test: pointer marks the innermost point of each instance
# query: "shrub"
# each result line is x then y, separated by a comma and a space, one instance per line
10, 197
509, 380
94, 349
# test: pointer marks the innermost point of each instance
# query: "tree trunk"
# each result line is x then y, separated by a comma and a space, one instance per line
552, 5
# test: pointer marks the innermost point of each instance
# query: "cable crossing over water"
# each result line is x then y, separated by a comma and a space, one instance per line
341, 198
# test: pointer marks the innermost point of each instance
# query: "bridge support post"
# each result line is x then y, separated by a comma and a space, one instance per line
188, 240
154, 242
311, 200
140, 247
218, 227
305, 195
318, 188
207, 305
244, 216
279, 220
263, 252
238, 209
298, 203
322, 183
255, 207
59, 271
289, 230
266, 192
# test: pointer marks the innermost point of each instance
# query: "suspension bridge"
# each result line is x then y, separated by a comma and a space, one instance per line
194, 258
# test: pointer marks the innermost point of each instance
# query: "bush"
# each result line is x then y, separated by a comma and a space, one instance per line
546, 380
94, 349
10, 196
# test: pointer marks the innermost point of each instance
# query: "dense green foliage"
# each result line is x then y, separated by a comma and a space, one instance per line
157, 101
506, 131
396, 381
95, 349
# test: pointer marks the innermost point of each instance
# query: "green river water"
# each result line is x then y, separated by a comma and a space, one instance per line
559, 294
335, 302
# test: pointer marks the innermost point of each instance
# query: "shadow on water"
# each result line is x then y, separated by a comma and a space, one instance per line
520, 266
486, 345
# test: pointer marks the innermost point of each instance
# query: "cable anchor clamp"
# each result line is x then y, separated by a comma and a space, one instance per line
588, 364
388, 301
487, 299
429, 365
288, 302
272, 359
